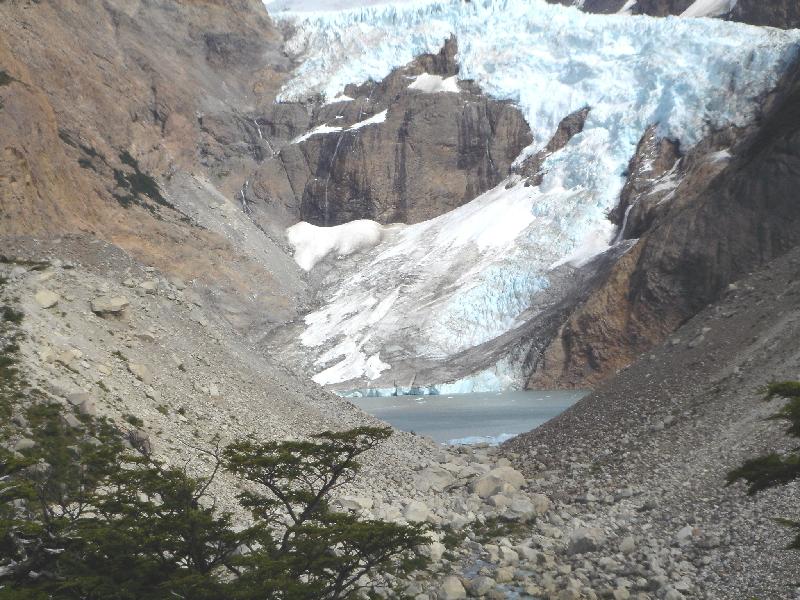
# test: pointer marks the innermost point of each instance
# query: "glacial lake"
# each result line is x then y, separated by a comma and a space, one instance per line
491, 417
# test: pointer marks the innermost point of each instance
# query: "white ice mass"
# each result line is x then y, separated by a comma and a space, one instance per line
441, 287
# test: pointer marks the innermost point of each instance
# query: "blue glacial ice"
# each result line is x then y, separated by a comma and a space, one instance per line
466, 277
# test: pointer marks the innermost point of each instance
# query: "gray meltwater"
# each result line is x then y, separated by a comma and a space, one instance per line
491, 417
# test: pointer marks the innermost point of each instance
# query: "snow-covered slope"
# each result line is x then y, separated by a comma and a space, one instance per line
444, 286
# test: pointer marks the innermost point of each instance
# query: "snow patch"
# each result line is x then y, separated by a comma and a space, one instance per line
721, 156
312, 243
316, 131
709, 8
373, 120
433, 84
323, 129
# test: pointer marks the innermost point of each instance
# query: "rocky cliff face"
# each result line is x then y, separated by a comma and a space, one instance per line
731, 208
99, 136
426, 153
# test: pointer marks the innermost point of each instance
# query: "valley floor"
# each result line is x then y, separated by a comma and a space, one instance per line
623, 495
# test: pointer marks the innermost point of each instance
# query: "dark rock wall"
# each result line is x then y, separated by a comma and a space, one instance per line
433, 153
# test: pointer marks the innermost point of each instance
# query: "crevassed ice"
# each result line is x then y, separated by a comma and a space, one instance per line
466, 277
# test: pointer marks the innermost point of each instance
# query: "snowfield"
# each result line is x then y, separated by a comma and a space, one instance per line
441, 287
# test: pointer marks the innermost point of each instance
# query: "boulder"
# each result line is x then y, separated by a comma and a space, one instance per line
150, 286
46, 298
354, 503
452, 589
71, 421
434, 478
417, 511
140, 440
497, 481
585, 539
504, 574
24, 444
627, 545
434, 551
481, 585
141, 372
77, 398
109, 305
541, 503
87, 407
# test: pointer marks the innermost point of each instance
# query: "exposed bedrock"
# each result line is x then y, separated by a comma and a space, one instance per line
730, 206
430, 152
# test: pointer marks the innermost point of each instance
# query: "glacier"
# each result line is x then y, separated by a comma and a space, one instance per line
425, 293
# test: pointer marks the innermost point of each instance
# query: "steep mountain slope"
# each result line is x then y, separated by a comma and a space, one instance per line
646, 455
104, 129
472, 298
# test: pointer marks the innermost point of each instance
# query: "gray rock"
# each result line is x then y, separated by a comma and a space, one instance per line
452, 589
77, 398
88, 407
24, 444
141, 372
72, 421
505, 574
140, 440
481, 585
497, 481
585, 539
109, 305
627, 545
434, 478
417, 511
354, 503
46, 298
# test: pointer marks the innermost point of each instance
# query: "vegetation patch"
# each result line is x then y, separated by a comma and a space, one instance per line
774, 469
5, 78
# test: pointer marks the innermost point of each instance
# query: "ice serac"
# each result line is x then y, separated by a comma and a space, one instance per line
468, 297
773, 13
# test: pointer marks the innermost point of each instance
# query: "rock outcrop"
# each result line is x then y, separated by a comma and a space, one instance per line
394, 153
732, 208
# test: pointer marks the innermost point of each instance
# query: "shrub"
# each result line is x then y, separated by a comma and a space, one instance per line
773, 469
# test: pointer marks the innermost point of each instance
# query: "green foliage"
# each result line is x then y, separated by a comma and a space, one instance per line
773, 469
783, 389
767, 471
133, 420
11, 315
319, 554
497, 527
5, 78
82, 517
